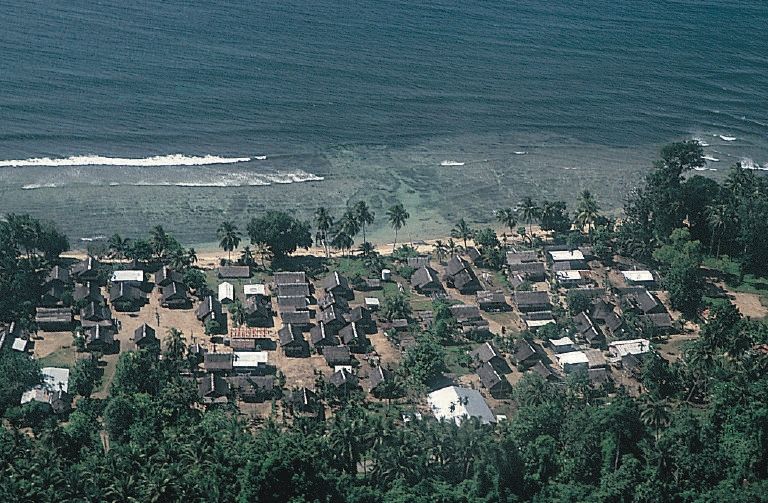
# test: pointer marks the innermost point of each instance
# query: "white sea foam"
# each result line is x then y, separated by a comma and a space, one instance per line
748, 163
727, 138
32, 186
451, 163
699, 168
520, 152
710, 158
96, 160
260, 157
94, 238
701, 142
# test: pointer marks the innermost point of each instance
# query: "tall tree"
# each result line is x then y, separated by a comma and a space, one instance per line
587, 212
229, 238
364, 216
463, 231
324, 224
397, 216
280, 232
530, 211
508, 218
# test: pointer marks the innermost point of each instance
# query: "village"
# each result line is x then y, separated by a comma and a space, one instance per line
265, 340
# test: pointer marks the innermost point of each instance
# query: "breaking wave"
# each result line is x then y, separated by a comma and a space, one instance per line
97, 160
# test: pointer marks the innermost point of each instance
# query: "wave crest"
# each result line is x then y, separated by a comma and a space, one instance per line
97, 160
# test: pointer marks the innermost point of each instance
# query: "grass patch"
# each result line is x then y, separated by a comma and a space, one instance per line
454, 356
107, 376
64, 357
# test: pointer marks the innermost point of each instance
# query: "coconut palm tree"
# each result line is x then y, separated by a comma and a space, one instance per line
655, 414
349, 223
324, 224
191, 256
719, 217
507, 217
159, 240
118, 246
174, 344
529, 211
462, 231
452, 248
364, 216
397, 215
366, 249
263, 251
246, 256
587, 212
342, 241
440, 250
229, 238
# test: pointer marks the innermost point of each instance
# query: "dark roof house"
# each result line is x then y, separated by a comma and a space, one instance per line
144, 336
487, 353
218, 362
166, 276
459, 275
319, 336
174, 296
496, 383
209, 308
86, 270
213, 388
426, 281
292, 341
338, 285
532, 301
492, 301
337, 355
234, 272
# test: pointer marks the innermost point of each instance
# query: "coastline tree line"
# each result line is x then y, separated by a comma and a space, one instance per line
699, 433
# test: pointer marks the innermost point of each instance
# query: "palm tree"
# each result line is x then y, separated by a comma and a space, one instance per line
246, 256
229, 238
237, 311
159, 240
324, 223
529, 211
364, 216
349, 223
191, 256
452, 248
178, 260
342, 241
263, 251
174, 344
655, 414
587, 212
719, 217
397, 216
366, 249
462, 231
507, 217
118, 246
440, 250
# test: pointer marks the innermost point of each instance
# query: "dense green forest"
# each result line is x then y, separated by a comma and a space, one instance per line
698, 434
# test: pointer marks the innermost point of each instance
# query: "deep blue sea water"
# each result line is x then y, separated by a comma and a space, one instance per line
598, 84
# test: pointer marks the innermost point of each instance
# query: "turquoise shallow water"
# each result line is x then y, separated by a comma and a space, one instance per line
347, 92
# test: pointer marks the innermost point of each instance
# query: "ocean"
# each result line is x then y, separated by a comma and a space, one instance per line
117, 116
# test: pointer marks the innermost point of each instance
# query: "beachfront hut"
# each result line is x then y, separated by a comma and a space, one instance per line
87, 270
425, 280
338, 285
234, 272
166, 276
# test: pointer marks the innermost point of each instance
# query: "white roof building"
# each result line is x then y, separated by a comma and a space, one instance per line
456, 403
372, 303
572, 360
560, 256
568, 276
131, 275
250, 359
250, 290
630, 347
19, 344
55, 378
638, 276
561, 345
226, 292
538, 323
